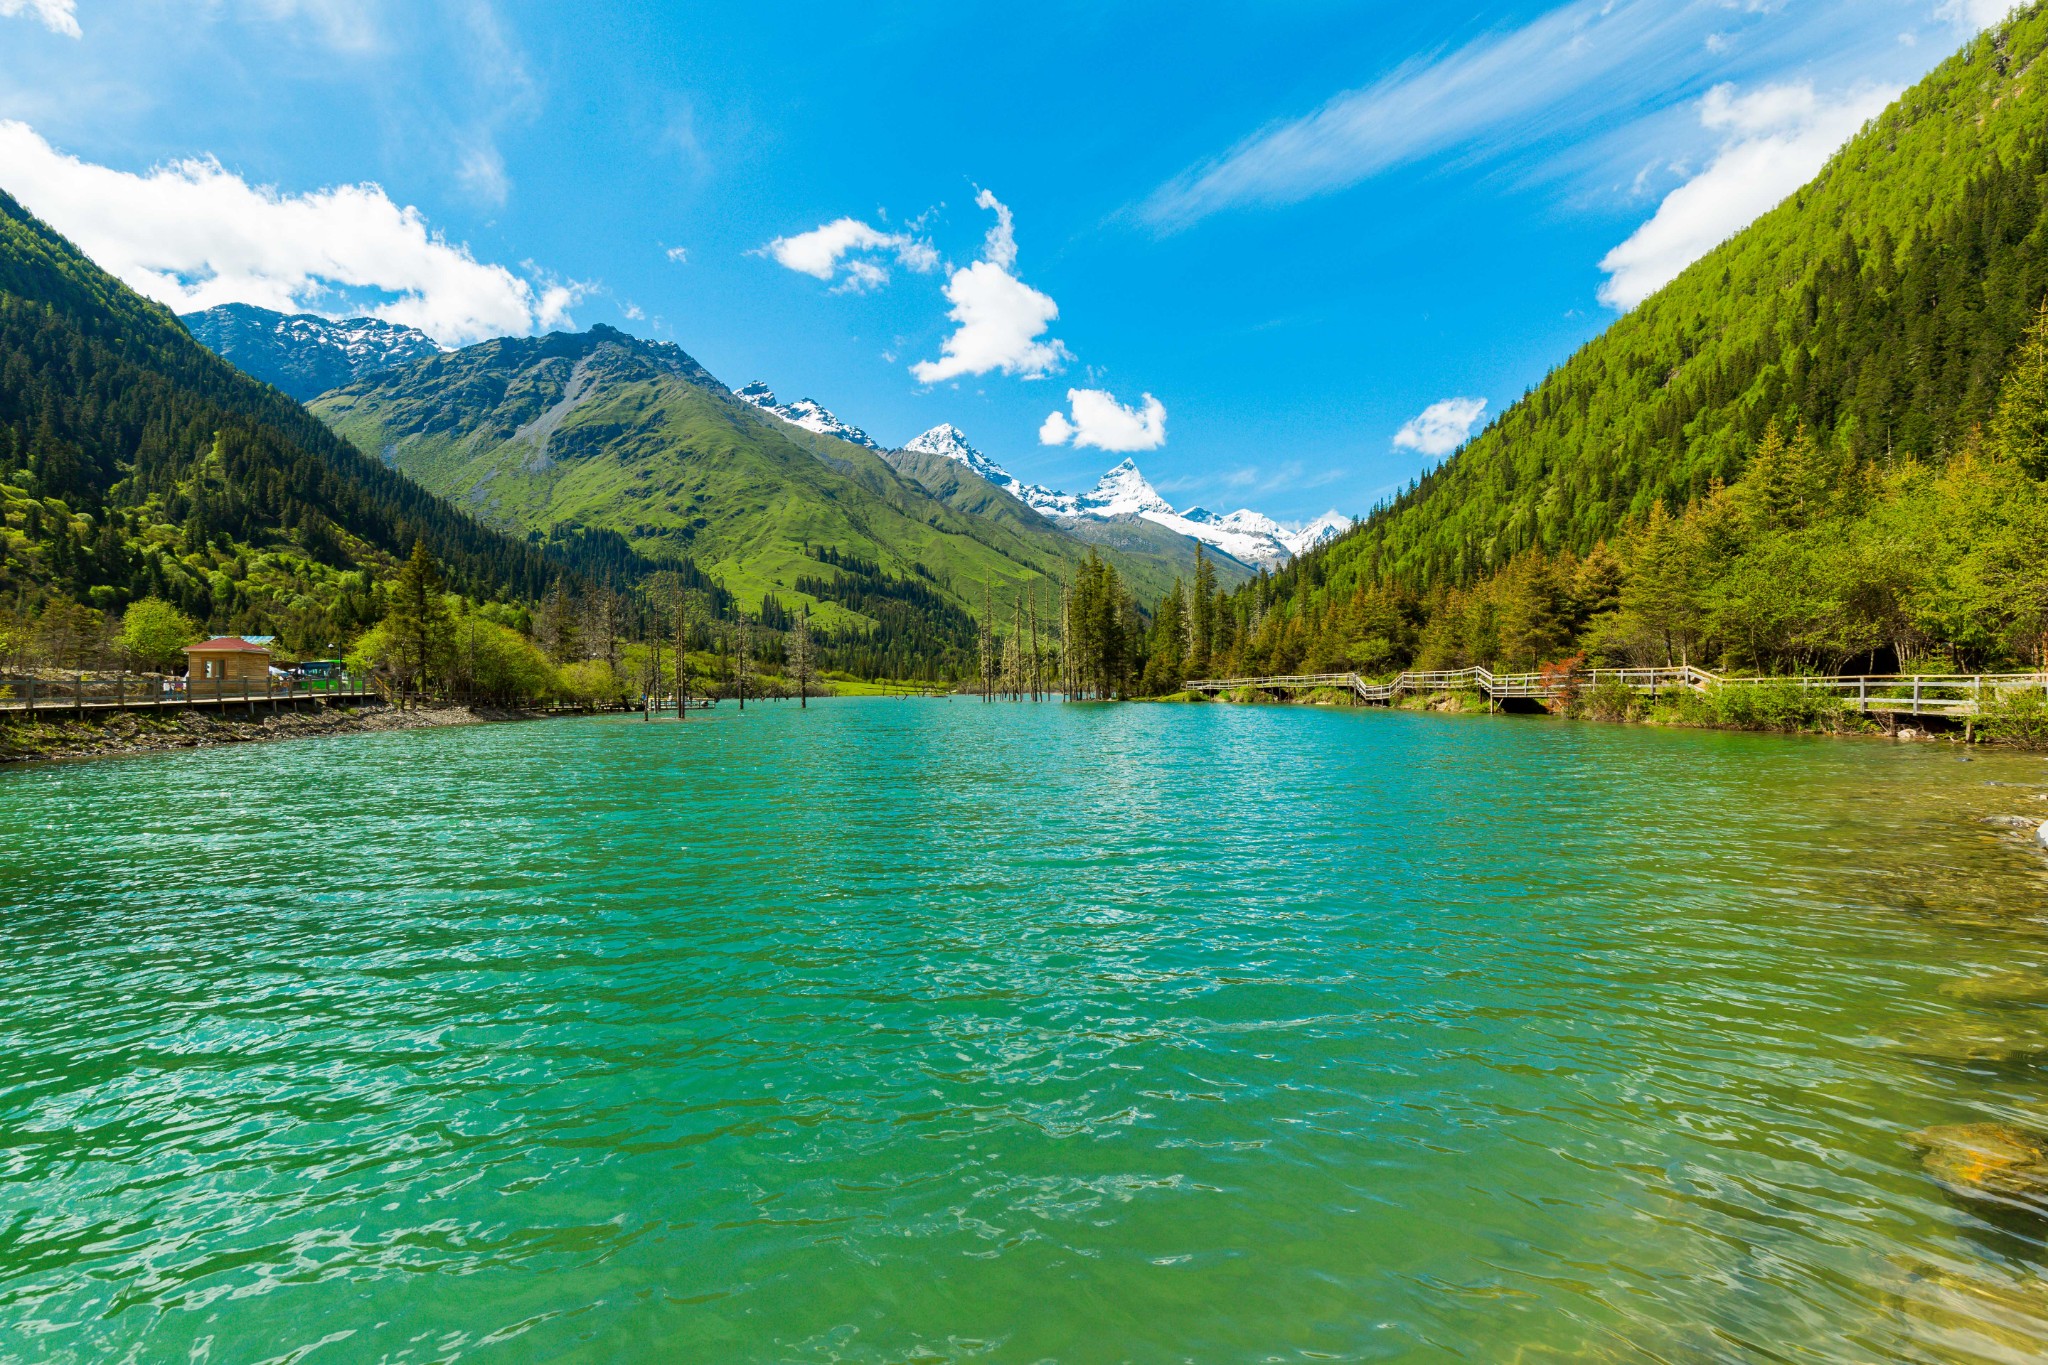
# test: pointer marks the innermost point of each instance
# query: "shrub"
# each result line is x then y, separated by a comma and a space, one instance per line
2019, 717
1776, 704
1611, 699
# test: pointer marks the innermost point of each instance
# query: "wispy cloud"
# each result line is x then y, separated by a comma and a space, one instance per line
58, 16
1777, 138
1976, 14
192, 234
1501, 90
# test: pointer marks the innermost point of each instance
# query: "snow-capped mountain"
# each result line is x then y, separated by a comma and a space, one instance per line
1321, 531
303, 354
807, 413
1245, 535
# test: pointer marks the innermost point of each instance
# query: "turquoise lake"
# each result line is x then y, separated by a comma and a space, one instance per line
903, 1032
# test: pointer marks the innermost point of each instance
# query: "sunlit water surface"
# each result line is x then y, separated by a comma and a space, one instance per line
935, 1031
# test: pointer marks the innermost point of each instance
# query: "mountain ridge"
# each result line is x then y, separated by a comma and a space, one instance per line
1251, 538
602, 431
305, 354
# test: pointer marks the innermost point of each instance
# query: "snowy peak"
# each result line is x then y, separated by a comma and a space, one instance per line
1250, 537
1321, 531
1123, 492
949, 441
807, 413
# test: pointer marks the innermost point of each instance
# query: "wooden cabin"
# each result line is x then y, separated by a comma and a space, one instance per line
227, 660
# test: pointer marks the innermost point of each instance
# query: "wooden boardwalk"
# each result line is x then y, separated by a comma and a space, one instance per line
1916, 694
40, 699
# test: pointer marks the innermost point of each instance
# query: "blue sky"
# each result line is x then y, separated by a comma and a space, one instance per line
1316, 234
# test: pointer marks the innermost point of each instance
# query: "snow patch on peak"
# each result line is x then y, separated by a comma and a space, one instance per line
947, 440
807, 413
1321, 531
1123, 492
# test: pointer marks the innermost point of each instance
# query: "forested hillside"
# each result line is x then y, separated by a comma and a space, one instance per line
134, 462
1819, 447
1878, 307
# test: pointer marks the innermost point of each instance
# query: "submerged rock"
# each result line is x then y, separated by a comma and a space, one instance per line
1990, 1161
1993, 1041
2008, 821
2000, 988
2004, 1319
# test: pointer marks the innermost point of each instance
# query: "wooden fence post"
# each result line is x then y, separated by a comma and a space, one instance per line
78, 695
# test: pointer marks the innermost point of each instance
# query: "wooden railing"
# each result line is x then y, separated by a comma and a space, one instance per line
34, 698
1952, 694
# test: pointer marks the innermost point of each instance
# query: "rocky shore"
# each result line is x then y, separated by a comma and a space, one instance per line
141, 733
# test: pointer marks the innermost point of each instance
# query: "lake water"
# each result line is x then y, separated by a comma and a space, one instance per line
934, 1031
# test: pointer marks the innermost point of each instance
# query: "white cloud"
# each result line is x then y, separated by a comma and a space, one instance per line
58, 16
1778, 138
192, 234
1574, 64
999, 317
1441, 428
1099, 420
1976, 14
679, 254
845, 247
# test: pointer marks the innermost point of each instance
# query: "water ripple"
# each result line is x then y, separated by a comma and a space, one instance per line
893, 1032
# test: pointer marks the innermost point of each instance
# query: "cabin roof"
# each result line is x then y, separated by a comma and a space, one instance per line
225, 644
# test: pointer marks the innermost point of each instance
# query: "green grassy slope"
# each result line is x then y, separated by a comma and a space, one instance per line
1877, 307
599, 430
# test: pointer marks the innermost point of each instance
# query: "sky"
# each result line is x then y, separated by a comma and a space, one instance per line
1284, 255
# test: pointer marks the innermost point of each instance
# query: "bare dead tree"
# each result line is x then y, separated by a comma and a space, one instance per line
802, 657
682, 611
743, 656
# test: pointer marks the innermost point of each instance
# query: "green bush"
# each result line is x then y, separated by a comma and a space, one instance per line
1778, 704
1610, 699
2017, 717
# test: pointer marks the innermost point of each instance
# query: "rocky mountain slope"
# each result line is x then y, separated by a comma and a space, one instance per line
302, 354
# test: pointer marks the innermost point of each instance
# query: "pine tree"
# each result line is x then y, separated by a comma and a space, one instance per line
421, 630
2019, 432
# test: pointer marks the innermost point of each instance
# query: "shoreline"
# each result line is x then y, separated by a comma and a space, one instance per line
136, 733
1930, 728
